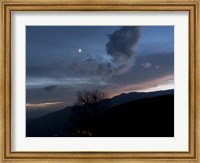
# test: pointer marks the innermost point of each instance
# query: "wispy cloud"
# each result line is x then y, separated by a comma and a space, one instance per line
157, 67
146, 65
43, 105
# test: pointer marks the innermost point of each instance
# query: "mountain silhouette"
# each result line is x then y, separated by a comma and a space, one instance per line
132, 96
135, 114
150, 117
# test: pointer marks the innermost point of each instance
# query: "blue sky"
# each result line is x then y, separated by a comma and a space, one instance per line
61, 60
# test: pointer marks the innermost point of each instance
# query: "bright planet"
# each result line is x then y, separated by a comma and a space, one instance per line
79, 50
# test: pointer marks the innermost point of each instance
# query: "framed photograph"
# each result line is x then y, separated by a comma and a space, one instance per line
100, 81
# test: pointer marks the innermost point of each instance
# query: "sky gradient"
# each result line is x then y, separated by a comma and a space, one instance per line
61, 60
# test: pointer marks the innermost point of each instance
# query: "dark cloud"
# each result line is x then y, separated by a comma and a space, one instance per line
120, 50
38, 95
50, 88
121, 43
105, 69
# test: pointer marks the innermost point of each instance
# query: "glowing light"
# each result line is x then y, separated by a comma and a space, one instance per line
79, 50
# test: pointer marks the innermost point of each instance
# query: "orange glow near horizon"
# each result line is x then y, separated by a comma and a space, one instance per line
163, 83
43, 105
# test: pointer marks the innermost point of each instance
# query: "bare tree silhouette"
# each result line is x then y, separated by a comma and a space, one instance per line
91, 99
88, 104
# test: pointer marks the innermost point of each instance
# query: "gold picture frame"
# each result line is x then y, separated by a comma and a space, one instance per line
192, 6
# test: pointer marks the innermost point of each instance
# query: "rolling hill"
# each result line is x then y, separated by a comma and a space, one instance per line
148, 115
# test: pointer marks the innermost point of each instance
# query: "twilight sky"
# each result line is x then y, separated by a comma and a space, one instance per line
61, 60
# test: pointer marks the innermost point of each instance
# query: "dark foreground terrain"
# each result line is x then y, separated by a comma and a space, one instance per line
152, 117
148, 117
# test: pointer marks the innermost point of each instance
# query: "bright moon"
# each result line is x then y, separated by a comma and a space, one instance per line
79, 50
